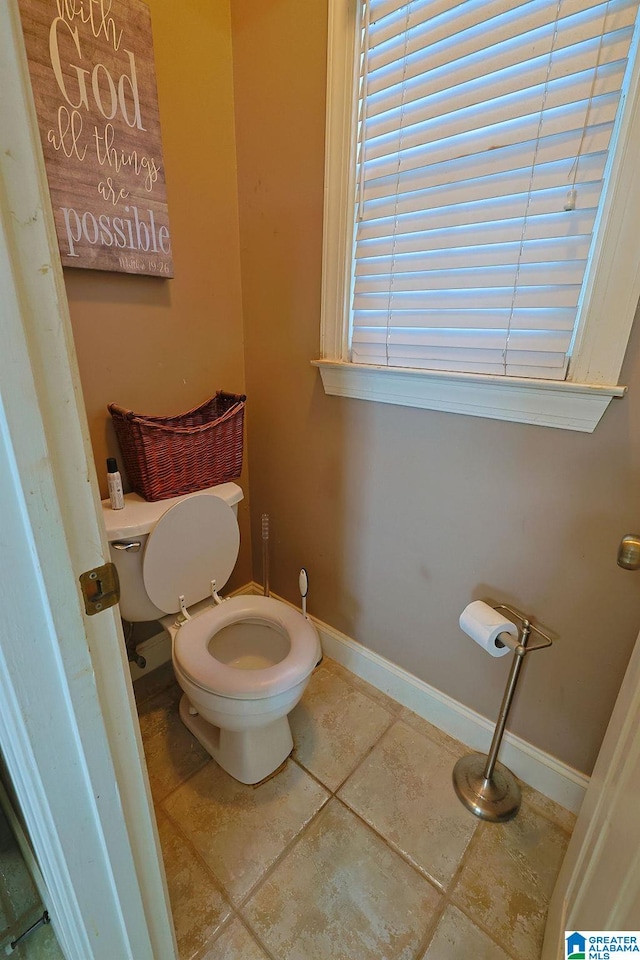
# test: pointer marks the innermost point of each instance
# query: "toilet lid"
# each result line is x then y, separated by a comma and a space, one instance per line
194, 542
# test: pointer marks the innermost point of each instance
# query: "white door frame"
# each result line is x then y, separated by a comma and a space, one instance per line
598, 887
68, 727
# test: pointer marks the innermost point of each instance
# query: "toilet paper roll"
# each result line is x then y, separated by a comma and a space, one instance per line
484, 624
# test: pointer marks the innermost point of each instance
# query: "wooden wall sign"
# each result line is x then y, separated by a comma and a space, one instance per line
93, 78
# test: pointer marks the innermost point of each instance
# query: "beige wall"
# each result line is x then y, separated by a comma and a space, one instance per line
163, 346
403, 516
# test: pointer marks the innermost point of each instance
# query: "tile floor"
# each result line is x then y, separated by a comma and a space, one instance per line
357, 850
20, 904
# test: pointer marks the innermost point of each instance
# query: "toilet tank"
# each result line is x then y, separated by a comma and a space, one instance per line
127, 532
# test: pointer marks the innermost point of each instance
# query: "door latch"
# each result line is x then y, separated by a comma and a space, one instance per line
100, 588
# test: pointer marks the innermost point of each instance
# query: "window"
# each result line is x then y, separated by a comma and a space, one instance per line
480, 250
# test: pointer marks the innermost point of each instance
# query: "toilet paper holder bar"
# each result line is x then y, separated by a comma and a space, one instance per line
521, 645
488, 789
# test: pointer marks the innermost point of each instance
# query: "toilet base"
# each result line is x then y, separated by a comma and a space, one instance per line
247, 755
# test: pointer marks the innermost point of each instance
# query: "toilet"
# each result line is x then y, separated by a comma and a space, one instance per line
243, 663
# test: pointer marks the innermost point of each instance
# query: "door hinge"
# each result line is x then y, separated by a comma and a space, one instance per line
100, 588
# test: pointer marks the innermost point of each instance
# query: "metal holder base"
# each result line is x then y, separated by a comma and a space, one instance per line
497, 799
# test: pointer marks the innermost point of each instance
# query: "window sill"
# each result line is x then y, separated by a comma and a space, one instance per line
561, 404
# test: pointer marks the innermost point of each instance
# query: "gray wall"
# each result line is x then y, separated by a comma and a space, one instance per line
403, 516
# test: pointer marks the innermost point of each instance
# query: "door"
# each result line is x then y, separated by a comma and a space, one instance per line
68, 727
598, 887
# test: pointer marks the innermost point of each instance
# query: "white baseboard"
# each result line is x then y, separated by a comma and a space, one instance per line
540, 770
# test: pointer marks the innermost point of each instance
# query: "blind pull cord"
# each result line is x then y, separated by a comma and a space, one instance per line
545, 93
364, 79
572, 194
398, 165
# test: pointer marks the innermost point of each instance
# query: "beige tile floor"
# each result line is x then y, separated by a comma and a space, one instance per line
20, 904
357, 850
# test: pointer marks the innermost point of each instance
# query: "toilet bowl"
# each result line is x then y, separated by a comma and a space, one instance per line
242, 663
243, 666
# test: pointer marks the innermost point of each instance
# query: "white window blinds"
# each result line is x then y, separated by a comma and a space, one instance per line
483, 139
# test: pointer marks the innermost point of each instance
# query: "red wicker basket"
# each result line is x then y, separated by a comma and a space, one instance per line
168, 456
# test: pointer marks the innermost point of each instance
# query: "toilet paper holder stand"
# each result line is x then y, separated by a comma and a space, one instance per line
485, 787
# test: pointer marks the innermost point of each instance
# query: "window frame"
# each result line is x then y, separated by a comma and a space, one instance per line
612, 290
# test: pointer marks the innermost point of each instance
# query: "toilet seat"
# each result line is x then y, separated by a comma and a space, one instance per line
192, 656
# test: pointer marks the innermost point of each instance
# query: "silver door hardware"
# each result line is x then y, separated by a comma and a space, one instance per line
131, 546
629, 552
100, 588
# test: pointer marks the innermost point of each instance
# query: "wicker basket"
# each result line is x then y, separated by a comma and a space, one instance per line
168, 456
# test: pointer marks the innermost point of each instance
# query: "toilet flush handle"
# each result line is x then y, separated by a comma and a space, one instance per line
129, 546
